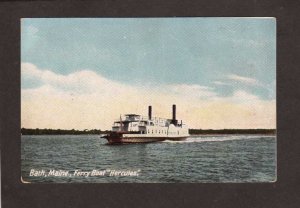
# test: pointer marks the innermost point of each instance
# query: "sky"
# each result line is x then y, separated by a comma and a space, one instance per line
82, 73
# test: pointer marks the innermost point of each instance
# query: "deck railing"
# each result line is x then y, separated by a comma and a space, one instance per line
143, 120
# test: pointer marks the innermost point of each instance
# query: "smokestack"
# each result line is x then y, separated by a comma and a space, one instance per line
150, 112
174, 115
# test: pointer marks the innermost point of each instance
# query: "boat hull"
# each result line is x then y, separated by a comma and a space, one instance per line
130, 140
120, 139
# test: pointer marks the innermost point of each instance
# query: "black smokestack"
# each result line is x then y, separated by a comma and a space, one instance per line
174, 121
150, 112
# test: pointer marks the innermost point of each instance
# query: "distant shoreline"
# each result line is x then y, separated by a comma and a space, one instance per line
200, 132
232, 131
195, 135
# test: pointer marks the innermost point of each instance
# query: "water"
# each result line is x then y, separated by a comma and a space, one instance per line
238, 158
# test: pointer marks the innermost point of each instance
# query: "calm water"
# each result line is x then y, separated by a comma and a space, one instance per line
199, 159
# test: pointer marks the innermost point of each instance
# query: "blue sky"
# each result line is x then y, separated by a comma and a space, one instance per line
219, 57
156, 50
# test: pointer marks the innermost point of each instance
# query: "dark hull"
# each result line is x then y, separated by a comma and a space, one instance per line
117, 138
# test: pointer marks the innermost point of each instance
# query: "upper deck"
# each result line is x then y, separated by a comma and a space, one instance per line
146, 124
128, 121
142, 120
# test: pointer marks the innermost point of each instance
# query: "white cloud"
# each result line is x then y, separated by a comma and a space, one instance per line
221, 83
244, 96
85, 99
245, 80
195, 90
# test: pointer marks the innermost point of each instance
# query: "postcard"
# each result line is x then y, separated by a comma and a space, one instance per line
148, 100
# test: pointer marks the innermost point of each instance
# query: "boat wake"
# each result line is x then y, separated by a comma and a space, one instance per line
195, 139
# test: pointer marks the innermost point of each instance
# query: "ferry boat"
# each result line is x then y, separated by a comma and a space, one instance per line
133, 128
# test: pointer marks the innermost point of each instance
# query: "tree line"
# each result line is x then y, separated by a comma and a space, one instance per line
38, 131
232, 131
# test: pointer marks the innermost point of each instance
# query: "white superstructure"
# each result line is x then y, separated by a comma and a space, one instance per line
150, 128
